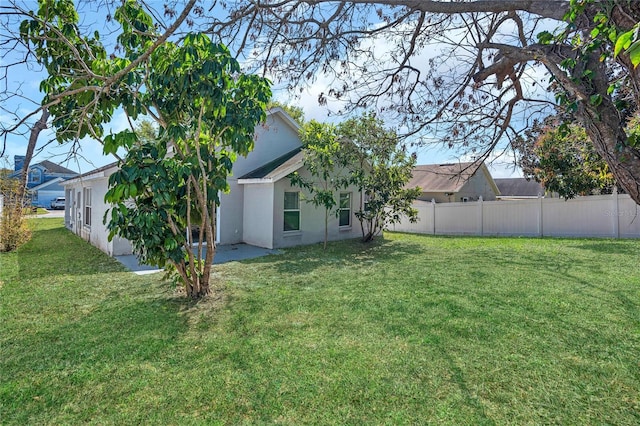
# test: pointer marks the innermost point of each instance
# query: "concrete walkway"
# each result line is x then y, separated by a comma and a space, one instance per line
224, 254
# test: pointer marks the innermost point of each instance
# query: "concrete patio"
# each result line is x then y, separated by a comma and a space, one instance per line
224, 254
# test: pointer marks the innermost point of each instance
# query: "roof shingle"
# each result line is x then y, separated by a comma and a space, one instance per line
442, 177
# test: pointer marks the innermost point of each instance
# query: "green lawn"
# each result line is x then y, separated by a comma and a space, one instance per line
410, 330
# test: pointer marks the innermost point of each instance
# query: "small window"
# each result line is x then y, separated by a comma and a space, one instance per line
291, 211
344, 212
87, 206
34, 176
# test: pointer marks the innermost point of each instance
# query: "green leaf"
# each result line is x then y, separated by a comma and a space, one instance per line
634, 53
595, 100
545, 37
623, 42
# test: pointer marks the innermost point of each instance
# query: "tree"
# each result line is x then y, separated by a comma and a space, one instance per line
380, 169
326, 168
206, 110
563, 160
483, 64
22, 48
13, 228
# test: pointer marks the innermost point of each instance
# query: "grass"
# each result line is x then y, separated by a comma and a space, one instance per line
409, 330
39, 211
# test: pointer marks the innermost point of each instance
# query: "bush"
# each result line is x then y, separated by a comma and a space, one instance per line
13, 228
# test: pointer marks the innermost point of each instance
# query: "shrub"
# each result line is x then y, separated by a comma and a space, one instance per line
13, 228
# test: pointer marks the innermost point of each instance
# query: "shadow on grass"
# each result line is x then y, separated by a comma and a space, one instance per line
89, 350
117, 328
608, 247
340, 254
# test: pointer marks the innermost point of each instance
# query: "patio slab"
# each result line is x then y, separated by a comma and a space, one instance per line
224, 254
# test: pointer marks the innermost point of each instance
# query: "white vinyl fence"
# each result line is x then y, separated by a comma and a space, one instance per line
608, 216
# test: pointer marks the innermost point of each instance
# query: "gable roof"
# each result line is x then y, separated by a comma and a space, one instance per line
48, 167
55, 168
519, 187
448, 177
286, 117
276, 169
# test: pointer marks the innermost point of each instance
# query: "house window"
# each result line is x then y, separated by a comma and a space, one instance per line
86, 198
34, 176
291, 211
344, 212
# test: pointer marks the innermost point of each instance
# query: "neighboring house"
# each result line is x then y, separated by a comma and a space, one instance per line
261, 209
44, 181
519, 189
454, 182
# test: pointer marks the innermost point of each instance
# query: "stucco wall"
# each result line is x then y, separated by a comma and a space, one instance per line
477, 185
273, 139
438, 196
97, 233
258, 217
311, 219
231, 212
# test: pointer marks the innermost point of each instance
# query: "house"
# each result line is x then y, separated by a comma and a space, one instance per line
519, 189
454, 182
261, 209
44, 181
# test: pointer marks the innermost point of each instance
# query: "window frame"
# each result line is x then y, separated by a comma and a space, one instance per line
286, 210
86, 204
341, 209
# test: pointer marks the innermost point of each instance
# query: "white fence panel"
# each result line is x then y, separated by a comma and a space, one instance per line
518, 217
609, 216
579, 217
458, 219
424, 225
628, 215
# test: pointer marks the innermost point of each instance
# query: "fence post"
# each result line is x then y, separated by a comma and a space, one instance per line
433, 216
480, 213
540, 219
616, 213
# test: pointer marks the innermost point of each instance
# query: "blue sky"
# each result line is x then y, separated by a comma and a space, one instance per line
90, 154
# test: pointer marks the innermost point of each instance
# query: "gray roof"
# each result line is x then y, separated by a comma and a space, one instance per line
442, 177
55, 168
519, 187
272, 167
49, 167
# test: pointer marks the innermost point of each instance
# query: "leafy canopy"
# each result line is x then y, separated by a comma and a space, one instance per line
563, 160
380, 168
326, 169
206, 110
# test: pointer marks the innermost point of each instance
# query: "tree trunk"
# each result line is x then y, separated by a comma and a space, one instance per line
40, 125
326, 228
605, 125
610, 140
